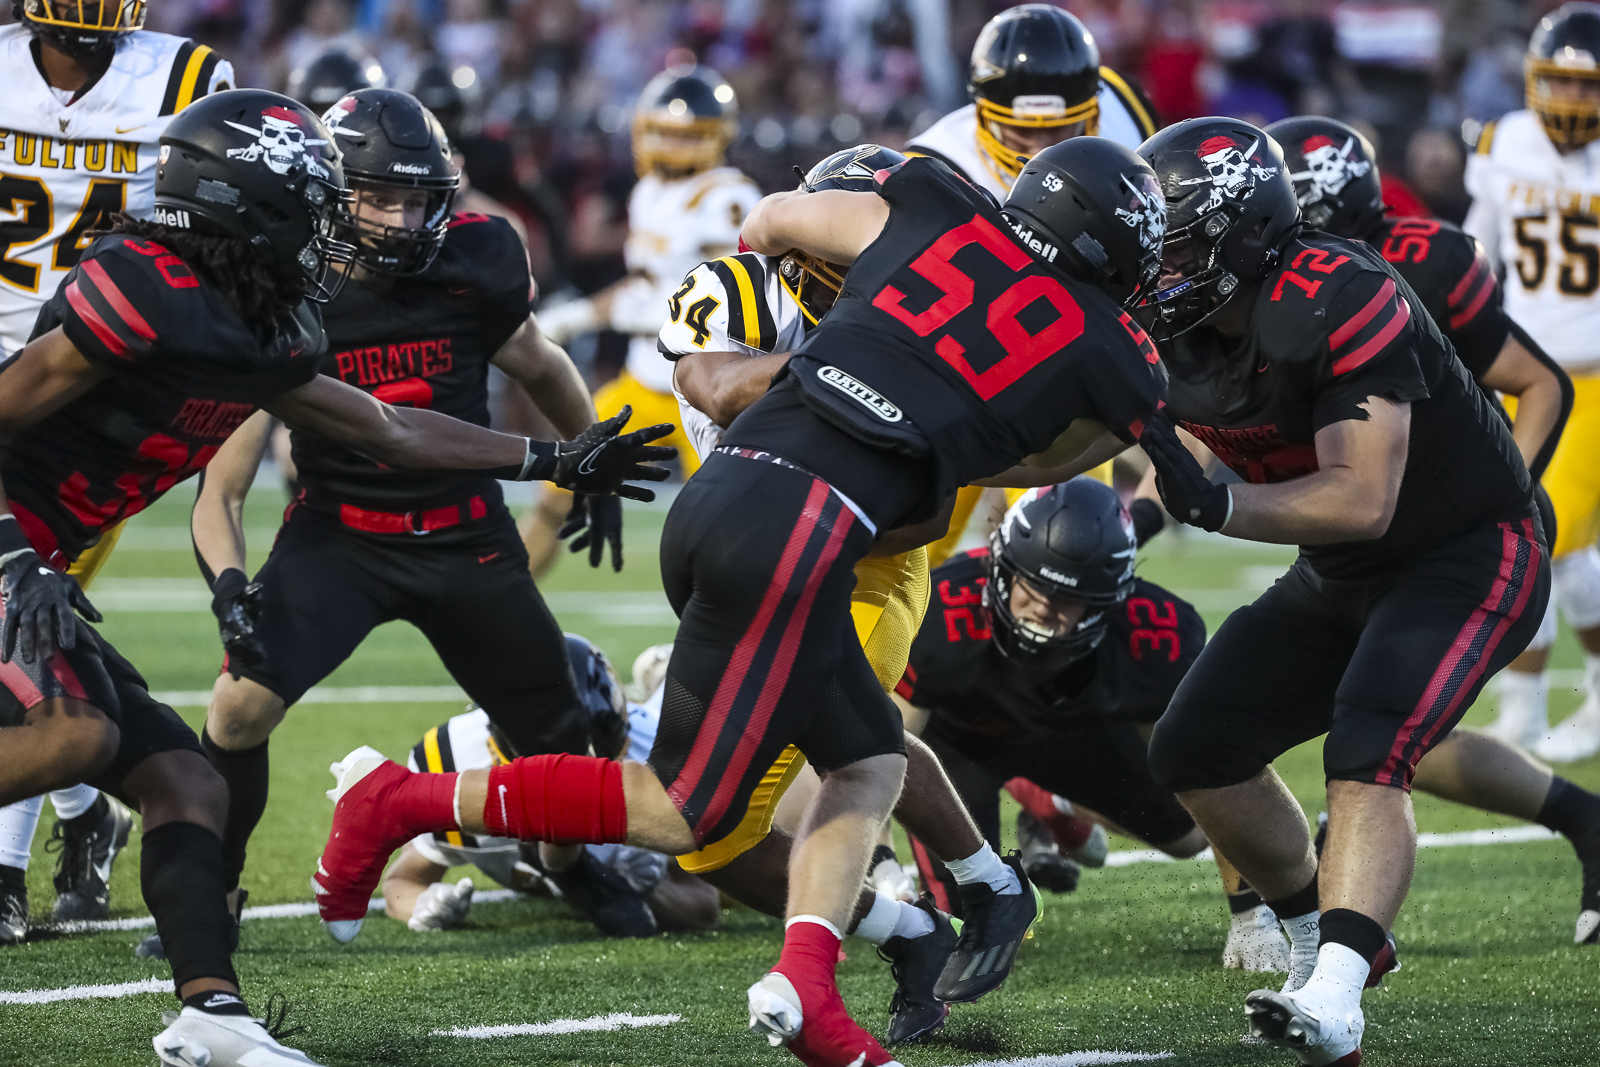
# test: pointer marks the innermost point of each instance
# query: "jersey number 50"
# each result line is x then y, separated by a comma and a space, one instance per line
30, 202
1024, 350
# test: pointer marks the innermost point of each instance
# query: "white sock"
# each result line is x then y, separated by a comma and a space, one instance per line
893, 918
1305, 932
17, 823
984, 866
1591, 674
1341, 972
74, 801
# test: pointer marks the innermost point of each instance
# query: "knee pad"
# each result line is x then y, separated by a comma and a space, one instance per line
1576, 578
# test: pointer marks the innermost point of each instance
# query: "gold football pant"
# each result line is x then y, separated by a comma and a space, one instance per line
649, 408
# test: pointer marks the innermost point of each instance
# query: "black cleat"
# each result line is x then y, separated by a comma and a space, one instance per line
605, 897
995, 926
88, 845
152, 949
1042, 858
915, 963
13, 905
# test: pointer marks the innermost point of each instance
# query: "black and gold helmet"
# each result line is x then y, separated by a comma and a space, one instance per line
1033, 66
684, 121
1565, 45
815, 283
80, 27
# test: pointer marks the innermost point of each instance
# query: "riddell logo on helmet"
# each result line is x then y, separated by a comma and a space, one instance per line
177, 218
409, 168
863, 394
1057, 577
1043, 249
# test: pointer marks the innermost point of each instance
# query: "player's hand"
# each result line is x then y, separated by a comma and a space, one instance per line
39, 601
1188, 494
441, 906
599, 518
602, 459
236, 602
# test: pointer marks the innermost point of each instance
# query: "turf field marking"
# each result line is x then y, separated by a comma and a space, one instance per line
320, 694
1076, 1059
575, 1026
87, 992
265, 911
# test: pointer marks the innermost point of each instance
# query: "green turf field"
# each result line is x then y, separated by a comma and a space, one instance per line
1129, 963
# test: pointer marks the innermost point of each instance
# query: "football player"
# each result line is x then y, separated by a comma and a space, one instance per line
1044, 657
1309, 367
1535, 190
89, 92
161, 341
639, 892
849, 442
434, 301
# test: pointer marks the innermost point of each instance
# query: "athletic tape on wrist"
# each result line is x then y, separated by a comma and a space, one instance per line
1229, 517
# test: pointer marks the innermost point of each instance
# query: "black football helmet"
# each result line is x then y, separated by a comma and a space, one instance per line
683, 123
1566, 44
814, 283
333, 73
258, 166
1093, 209
1073, 541
600, 691
1229, 193
1335, 173
438, 92
388, 139
80, 27
1032, 66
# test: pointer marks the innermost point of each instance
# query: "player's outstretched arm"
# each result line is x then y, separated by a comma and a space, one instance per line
831, 224
1081, 448
599, 461
1544, 397
723, 384
216, 526
405, 881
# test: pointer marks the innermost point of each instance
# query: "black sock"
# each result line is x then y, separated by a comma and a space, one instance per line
1569, 810
89, 819
1296, 904
1246, 899
1341, 926
216, 1002
881, 853
180, 871
246, 774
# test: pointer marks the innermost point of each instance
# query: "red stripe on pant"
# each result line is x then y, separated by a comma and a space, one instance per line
928, 867
777, 677
744, 652
1490, 613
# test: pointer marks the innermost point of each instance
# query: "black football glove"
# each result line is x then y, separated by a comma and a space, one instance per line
39, 601
236, 602
1148, 520
597, 520
1188, 494
601, 459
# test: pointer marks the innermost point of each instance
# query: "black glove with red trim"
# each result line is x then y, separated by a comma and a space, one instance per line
236, 602
39, 600
1185, 490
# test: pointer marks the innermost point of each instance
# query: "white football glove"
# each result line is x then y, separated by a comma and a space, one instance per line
441, 906
1256, 942
890, 879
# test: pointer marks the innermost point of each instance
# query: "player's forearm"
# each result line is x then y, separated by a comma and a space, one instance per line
217, 522
546, 373
1332, 505
723, 384
1083, 447
1544, 397
404, 882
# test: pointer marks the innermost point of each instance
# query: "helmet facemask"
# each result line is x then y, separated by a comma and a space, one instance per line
326, 260
401, 251
1194, 285
814, 283
82, 27
1571, 118
1030, 113
1026, 642
677, 146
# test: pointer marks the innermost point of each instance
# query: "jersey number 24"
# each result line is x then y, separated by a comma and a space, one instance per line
33, 207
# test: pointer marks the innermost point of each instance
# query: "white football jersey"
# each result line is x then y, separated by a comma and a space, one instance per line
671, 227
733, 304
1538, 212
954, 138
64, 167
464, 746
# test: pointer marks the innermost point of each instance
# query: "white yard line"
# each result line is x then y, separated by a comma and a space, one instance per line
1510, 836
1076, 1059
354, 694
88, 992
594, 1023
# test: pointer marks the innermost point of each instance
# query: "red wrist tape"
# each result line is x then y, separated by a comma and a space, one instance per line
560, 798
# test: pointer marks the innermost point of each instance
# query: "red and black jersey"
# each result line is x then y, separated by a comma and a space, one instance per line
958, 674
1333, 325
1449, 271
423, 342
184, 371
952, 339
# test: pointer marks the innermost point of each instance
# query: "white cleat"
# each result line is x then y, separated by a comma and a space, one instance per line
1256, 942
365, 752
1576, 737
1321, 1033
775, 1009
194, 1038
1093, 852
1588, 927
889, 878
1524, 718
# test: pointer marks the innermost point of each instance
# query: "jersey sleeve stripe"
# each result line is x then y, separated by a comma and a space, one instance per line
1353, 326
180, 67
750, 319
1481, 297
1391, 329
101, 282
1459, 293
1130, 100
433, 761
107, 335
1486, 138
192, 90
755, 282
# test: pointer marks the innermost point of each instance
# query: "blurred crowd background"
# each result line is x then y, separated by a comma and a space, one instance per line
538, 94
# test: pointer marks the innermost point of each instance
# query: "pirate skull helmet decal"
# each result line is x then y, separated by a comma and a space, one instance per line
281, 143
1147, 214
1329, 168
1230, 171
